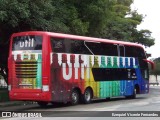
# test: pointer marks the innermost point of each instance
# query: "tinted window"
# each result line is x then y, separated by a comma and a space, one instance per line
68, 46
132, 51
31, 42
103, 48
141, 53
81, 47
122, 50
110, 49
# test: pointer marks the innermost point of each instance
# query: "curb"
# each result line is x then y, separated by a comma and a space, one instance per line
14, 103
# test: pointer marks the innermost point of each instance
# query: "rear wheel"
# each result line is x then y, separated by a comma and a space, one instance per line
86, 98
42, 103
74, 97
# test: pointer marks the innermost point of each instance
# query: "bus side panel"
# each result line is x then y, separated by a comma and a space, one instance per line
104, 85
66, 75
122, 82
67, 72
116, 83
96, 84
60, 87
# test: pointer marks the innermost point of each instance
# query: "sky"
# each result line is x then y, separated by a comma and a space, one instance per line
150, 9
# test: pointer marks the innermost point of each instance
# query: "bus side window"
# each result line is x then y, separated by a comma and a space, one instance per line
68, 46
106, 49
57, 45
122, 50
129, 51
78, 47
110, 49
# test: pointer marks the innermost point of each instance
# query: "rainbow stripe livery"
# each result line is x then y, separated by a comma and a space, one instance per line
71, 68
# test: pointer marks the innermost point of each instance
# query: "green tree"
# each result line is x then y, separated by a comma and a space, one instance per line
22, 15
122, 24
111, 19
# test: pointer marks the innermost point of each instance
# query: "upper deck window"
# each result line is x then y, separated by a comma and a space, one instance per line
31, 42
132, 51
68, 46
83, 47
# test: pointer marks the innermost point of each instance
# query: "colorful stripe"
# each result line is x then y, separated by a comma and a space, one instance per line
82, 72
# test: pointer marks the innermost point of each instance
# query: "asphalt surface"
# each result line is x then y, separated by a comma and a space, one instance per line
144, 105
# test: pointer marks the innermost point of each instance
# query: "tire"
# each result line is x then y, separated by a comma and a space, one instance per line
42, 104
86, 98
75, 97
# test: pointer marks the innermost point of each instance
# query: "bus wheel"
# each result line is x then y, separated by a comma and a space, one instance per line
86, 98
42, 104
75, 97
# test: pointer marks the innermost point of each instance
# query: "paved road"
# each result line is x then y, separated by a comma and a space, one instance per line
116, 106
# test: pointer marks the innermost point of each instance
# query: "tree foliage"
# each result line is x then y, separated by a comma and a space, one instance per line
99, 18
156, 70
111, 19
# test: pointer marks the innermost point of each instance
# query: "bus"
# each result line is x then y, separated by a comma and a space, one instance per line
51, 67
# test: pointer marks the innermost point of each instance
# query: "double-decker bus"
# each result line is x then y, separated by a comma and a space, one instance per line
52, 67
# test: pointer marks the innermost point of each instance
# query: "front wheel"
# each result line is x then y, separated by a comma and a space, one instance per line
74, 97
86, 98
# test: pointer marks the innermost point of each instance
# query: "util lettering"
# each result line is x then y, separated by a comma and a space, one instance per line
27, 43
75, 66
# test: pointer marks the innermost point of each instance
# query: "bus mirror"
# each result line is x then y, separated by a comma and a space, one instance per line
148, 55
150, 62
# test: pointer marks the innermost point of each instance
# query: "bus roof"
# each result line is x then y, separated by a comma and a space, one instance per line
77, 37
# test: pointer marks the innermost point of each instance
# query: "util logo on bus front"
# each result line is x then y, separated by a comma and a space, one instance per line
27, 43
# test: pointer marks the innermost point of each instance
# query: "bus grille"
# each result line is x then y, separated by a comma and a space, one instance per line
26, 69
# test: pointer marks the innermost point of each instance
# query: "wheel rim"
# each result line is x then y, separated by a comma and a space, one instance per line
87, 95
74, 97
